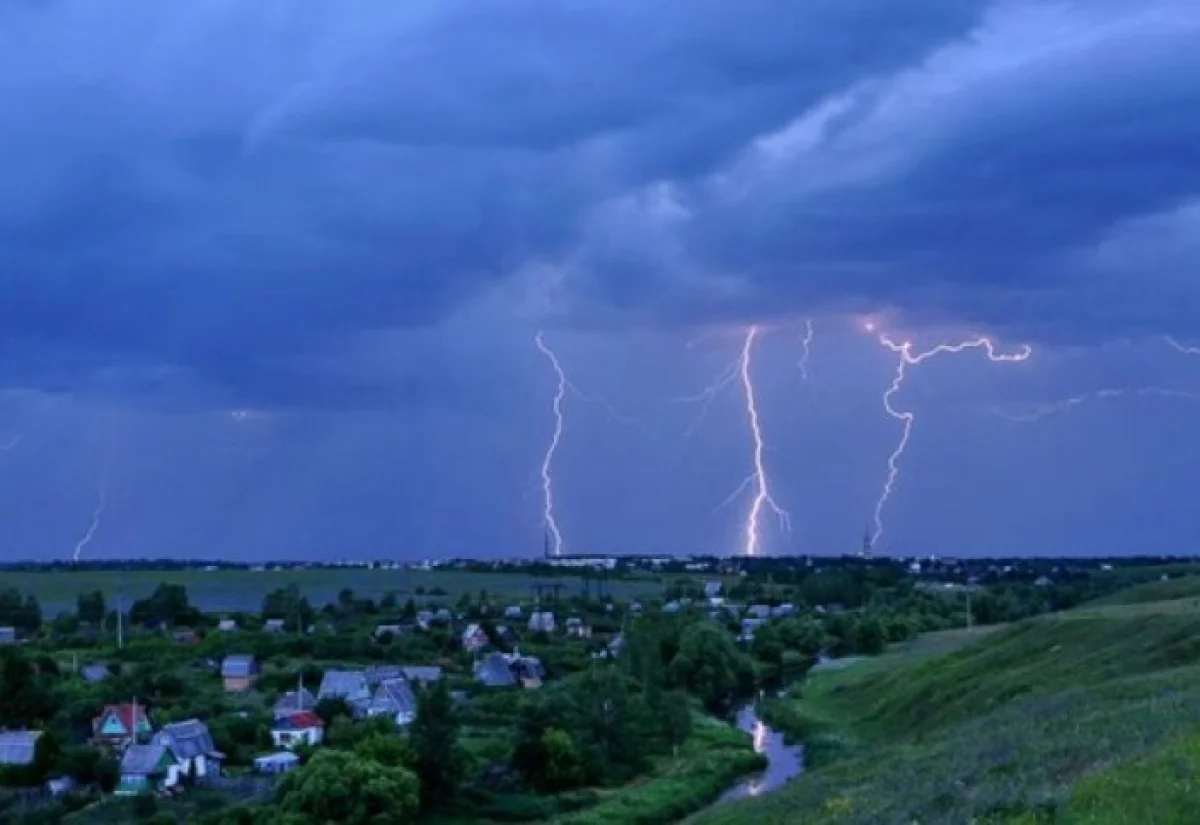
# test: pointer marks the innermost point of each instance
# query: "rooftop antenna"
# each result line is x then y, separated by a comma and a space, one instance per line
867, 545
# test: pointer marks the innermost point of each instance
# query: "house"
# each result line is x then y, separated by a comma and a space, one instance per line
395, 699
759, 611
8, 635
377, 674
94, 674
1042, 581
749, 627
227, 625
300, 728
424, 619
542, 621
273, 626
277, 763
474, 638
635, 608
186, 637
505, 634
146, 768
118, 725
443, 616
577, 628
421, 674
528, 670
783, 611
239, 671
347, 685
191, 746
388, 631
294, 701
513, 611
18, 747
494, 671
613, 649
672, 607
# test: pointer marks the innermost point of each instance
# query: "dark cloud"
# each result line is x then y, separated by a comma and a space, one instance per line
234, 189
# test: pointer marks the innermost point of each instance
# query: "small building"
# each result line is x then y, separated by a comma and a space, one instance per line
186, 637
474, 638
578, 629
513, 611
759, 611
424, 675
275, 764
347, 685
424, 619
18, 747
394, 698
542, 621
94, 674
712, 590
227, 625
146, 768
8, 635
296, 729
672, 607
528, 670
119, 725
273, 626
386, 631
190, 744
494, 671
783, 611
613, 649
294, 701
239, 672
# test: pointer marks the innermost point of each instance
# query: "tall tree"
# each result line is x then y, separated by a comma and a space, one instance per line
440, 762
340, 787
91, 607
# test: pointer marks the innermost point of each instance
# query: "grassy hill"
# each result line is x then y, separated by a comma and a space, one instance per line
1051, 720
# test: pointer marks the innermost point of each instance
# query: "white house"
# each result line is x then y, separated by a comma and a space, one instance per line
300, 728
190, 746
474, 638
542, 620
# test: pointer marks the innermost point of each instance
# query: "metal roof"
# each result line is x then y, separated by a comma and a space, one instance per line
238, 666
18, 747
143, 760
343, 684
187, 740
394, 697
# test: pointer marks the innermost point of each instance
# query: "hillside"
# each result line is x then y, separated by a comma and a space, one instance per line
1036, 723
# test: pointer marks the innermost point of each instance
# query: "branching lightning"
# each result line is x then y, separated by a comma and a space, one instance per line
906, 417
95, 524
1041, 411
757, 480
806, 347
560, 395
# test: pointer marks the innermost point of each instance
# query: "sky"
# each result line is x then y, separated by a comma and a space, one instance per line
271, 275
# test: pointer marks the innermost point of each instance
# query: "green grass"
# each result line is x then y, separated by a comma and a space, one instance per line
243, 590
1185, 587
1024, 725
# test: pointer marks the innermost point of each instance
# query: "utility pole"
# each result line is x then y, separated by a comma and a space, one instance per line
970, 619
120, 618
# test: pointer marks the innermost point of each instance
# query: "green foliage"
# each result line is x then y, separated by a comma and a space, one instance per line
440, 762
562, 766
339, 787
91, 607
169, 605
22, 613
709, 666
288, 604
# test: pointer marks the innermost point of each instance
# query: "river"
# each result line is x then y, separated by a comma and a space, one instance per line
784, 761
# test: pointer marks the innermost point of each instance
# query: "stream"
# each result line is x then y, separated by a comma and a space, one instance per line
783, 761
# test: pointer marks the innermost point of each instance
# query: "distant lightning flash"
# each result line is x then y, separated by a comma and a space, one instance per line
95, 525
1044, 410
906, 417
1185, 349
806, 347
12, 442
560, 395
757, 480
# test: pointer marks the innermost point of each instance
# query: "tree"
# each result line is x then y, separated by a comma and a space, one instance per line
562, 766
91, 607
440, 762
289, 604
24, 614
708, 666
336, 786
676, 717
168, 604
613, 721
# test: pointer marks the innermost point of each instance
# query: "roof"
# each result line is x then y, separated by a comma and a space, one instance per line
494, 671
227, 624
273, 624
8, 634
281, 758
18, 747
124, 714
300, 720
342, 684
393, 697
238, 666
375, 674
295, 700
422, 673
94, 673
143, 760
187, 740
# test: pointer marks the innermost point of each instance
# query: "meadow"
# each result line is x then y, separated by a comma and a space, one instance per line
243, 590
1089, 716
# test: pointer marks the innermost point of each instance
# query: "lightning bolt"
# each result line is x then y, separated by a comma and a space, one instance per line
757, 479
560, 395
907, 417
1186, 350
12, 442
806, 347
95, 525
1041, 411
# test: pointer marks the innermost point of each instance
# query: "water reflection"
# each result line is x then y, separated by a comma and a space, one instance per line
783, 761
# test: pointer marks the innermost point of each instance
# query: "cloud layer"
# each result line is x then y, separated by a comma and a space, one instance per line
225, 200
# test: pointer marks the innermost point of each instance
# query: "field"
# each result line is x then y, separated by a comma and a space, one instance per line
243, 590
1085, 717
